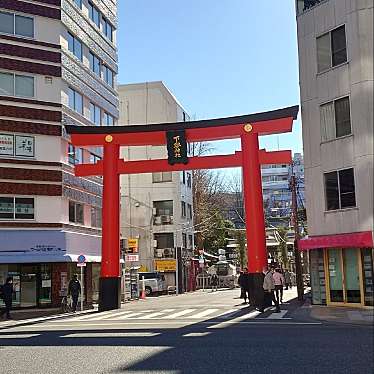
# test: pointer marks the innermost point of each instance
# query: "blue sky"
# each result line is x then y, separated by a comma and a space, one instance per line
219, 57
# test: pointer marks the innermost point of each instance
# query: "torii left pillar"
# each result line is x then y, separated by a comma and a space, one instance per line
110, 276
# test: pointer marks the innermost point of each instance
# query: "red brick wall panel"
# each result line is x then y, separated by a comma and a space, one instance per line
30, 67
30, 127
7, 188
31, 174
30, 113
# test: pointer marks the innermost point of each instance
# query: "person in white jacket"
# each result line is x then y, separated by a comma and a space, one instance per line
269, 288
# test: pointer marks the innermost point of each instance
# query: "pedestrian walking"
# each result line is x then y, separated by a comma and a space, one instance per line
240, 281
244, 284
214, 282
7, 296
279, 282
269, 288
74, 290
287, 279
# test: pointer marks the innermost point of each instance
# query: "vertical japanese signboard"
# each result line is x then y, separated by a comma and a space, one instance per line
177, 147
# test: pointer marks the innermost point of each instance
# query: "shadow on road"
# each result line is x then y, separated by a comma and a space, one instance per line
256, 345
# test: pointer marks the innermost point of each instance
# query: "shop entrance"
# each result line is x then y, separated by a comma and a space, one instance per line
28, 286
344, 276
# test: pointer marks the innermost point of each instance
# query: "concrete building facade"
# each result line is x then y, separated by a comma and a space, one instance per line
156, 209
335, 41
58, 62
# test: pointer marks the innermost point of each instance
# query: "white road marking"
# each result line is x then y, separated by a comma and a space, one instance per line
202, 314
18, 336
111, 335
279, 315
179, 314
196, 334
227, 313
156, 314
236, 320
115, 315
91, 315
131, 315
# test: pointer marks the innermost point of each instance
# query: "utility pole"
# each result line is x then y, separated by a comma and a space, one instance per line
295, 220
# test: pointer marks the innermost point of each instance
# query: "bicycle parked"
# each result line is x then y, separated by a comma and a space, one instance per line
66, 304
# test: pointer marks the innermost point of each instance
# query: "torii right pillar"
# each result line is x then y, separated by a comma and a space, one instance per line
254, 214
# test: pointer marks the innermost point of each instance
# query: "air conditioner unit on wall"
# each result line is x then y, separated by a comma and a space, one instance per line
165, 219
157, 220
168, 252
159, 253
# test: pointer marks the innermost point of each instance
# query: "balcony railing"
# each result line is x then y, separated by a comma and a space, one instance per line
303, 5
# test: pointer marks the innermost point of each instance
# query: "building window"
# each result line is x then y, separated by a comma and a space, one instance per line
16, 85
75, 100
16, 208
189, 180
108, 120
95, 114
165, 240
108, 76
107, 29
94, 158
335, 119
183, 207
79, 3
94, 14
76, 212
75, 155
189, 211
190, 241
340, 189
15, 24
75, 46
95, 217
183, 177
184, 240
331, 49
95, 64
162, 177
163, 208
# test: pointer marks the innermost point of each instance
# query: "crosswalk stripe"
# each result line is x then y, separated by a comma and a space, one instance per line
115, 315
202, 314
233, 321
179, 314
227, 313
90, 315
131, 315
156, 314
279, 315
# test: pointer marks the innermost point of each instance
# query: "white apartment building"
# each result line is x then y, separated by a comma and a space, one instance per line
58, 62
335, 39
156, 208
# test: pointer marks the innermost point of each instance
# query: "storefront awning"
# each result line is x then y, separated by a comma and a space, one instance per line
352, 240
27, 258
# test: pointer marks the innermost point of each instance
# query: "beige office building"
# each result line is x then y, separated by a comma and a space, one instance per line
335, 39
156, 209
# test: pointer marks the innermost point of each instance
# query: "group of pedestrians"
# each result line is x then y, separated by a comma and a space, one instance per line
6, 293
274, 281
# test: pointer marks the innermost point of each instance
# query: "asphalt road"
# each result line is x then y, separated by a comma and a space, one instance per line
195, 333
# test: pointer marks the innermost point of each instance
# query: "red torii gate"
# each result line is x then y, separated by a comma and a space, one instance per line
248, 128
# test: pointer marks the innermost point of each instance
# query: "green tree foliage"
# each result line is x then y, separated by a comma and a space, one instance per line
242, 253
216, 233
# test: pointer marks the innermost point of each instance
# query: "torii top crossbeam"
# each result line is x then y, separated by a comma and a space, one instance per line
248, 128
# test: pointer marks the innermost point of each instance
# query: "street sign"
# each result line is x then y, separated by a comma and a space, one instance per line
133, 244
131, 258
81, 261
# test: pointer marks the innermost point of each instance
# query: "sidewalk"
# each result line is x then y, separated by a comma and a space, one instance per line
342, 315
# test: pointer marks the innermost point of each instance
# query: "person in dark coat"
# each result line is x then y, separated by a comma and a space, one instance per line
74, 290
244, 284
7, 295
